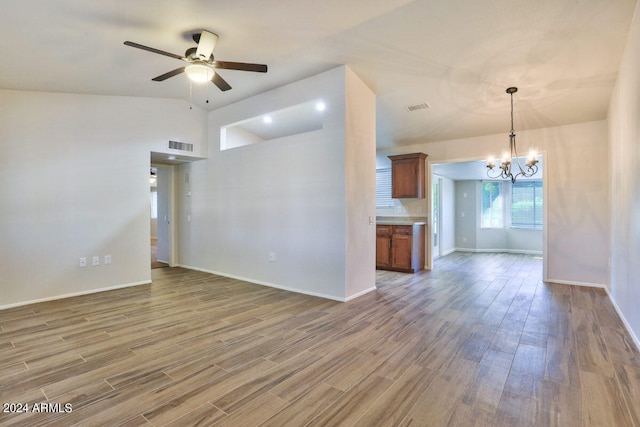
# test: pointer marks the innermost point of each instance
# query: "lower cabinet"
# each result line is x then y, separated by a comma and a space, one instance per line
400, 247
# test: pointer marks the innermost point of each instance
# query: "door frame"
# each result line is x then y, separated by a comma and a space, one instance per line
172, 232
439, 216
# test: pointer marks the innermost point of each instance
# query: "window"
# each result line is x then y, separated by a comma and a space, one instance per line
383, 188
492, 206
526, 204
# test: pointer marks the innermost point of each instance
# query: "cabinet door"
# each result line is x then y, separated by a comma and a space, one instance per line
404, 179
401, 254
383, 250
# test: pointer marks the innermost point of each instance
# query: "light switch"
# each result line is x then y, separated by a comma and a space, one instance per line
95, 260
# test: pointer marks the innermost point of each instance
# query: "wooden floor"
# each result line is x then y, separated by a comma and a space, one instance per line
479, 341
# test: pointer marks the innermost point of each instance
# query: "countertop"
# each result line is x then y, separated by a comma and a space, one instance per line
391, 220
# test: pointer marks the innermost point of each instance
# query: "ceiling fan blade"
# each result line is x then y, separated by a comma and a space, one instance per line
154, 50
243, 66
165, 76
206, 43
220, 82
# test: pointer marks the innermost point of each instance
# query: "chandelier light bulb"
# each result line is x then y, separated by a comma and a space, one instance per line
199, 73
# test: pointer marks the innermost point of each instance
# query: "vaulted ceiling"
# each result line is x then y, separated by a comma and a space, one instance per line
457, 56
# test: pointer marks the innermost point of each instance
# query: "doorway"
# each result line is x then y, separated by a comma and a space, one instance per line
458, 197
161, 242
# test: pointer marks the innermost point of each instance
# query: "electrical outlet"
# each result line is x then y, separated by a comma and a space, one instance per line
95, 261
272, 256
83, 262
107, 259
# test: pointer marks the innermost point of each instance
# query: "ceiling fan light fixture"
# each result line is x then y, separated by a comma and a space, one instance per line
199, 73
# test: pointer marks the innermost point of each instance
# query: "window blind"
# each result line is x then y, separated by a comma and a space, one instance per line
383, 188
526, 204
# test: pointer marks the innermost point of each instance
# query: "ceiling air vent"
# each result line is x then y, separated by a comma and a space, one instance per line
417, 107
182, 146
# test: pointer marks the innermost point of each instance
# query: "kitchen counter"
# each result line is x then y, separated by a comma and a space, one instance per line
405, 222
391, 220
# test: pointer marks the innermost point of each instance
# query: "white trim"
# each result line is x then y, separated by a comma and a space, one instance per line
74, 294
508, 251
359, 294
271, 285
545, 214
634, 337
574, 283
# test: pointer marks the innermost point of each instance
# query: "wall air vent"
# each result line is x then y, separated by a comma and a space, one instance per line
417, 107
182, 146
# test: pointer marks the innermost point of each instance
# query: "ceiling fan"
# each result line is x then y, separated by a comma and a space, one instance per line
201, 61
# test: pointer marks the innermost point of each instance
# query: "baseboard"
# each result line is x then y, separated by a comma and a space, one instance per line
271, 285
507, 251
574, 283
359, 294
445, 253
634, 337
74, 294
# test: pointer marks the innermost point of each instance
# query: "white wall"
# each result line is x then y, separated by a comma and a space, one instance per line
578, 221
624, 137
360, 191
75, 183
287, 196
466, 219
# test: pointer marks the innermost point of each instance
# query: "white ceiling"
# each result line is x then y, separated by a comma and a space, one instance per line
458, 56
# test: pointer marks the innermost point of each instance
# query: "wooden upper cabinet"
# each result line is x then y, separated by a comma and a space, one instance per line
408, 176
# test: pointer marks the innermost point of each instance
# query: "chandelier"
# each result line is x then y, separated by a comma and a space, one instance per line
509, 158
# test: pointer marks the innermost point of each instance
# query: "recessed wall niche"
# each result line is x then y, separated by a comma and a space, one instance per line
294, 120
